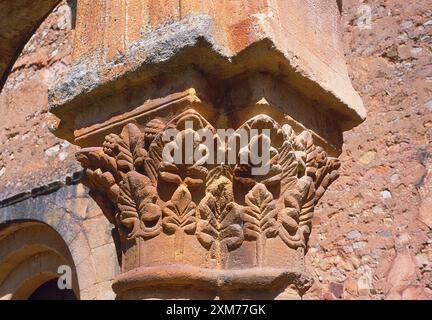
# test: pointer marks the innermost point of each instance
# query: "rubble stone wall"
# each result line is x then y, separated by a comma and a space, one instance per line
372, 237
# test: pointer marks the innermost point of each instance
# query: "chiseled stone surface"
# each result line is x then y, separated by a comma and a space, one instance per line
383, 189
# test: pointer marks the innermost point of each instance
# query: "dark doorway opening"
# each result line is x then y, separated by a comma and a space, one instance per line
50, 291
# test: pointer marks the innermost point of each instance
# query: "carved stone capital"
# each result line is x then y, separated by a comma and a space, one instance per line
219, 228
214, 226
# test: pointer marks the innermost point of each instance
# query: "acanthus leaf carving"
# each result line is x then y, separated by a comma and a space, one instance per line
179, 212
297, 214
243, 172
289, 164
188, 176
179, 219
306, 153
122, 173
221, 204
102, 178
219, 228
138, 205
259, 216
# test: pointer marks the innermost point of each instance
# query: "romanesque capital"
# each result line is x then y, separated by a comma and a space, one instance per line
202, 223
208, 135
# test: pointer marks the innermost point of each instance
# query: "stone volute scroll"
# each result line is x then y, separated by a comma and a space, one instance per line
208, 143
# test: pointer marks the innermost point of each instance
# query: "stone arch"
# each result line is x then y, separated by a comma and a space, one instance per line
30, 255
79, 223
18, 21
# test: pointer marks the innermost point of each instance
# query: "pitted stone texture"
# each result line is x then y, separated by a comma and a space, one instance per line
29, 154
384, 186
18, 21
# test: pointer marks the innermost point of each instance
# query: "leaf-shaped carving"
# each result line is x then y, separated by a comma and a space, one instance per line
139, 210
288, 133
179, 219
124, 174
219, 224
222, 172
118, 148
257, 156
259, 215
98, 167
150, 169
288, 162
129, 151
305, 151
156, 148
95, 158
103, 181
308, 207
296, 216
152, 129
259, 218
179, 212
102, 177
219, 228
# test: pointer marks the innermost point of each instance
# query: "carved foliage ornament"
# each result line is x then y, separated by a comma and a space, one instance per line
223, 205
